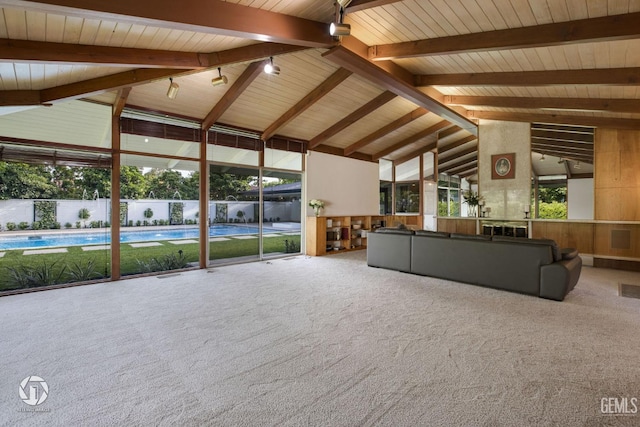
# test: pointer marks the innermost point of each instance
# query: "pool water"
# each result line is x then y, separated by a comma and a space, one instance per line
43, 240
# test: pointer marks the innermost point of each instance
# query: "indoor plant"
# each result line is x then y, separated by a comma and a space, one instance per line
316, 205
472, 198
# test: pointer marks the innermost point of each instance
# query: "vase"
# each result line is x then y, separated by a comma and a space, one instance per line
472, 211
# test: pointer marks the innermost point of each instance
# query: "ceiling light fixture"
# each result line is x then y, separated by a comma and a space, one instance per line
220, 80
577, 165
173, 89
269, 68
560, 161
542, 158
338, 28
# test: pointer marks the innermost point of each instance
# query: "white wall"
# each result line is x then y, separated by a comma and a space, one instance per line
506, 197
347, 186
580, 198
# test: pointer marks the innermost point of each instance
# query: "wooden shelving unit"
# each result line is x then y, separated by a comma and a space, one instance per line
335, 234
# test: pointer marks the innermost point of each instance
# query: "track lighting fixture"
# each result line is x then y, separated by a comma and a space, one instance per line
561, 161
220, 80
269, 68
542, 158
577, 165
173, 89
339, 28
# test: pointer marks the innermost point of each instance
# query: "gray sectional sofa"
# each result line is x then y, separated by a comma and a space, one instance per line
530, 266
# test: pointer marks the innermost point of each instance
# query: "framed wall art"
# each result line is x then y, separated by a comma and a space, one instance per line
503, 166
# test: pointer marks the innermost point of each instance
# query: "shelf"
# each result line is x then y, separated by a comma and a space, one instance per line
325, 232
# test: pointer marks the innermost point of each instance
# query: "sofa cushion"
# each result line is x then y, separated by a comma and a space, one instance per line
432, 233
555, 249
470, 236
569, 253
391, 230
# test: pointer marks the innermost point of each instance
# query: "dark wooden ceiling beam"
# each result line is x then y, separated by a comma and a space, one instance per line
445, 159
605, 122
600, 76
458, 164
449, 131
586, 138
579, 104
564, 155
361, 112
385, 130
34, 51
468, 173
19, 97
397, 146
239, 86
567, 144
575, 151
457, 143
106, 83
416, 153
121, 101
461, 169
213, 17
613, 27
311, 98
383, 78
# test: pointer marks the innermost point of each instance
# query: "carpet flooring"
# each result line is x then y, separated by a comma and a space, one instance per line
323, 341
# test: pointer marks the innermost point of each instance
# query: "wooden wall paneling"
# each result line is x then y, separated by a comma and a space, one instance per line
603, 240
617, 175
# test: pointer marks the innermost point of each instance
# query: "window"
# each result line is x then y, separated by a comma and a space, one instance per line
407, 197
448, 195
552, 197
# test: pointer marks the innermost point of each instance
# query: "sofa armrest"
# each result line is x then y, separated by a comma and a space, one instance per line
559, 278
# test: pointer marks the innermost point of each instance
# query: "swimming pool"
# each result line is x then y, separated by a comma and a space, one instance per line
57, 239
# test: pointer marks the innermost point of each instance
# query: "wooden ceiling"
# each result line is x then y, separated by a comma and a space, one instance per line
414, 76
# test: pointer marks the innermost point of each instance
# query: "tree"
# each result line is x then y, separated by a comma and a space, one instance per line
23, 181
223, 185
91, 179
132, 183
165, 183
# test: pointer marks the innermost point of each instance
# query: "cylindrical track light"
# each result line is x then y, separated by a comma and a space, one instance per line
173, 89
337, 29
269, 68
220, 80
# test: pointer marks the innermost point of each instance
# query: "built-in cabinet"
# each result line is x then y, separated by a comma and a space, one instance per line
334, 234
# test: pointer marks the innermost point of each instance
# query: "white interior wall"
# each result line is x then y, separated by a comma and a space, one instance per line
347, 186
580, 198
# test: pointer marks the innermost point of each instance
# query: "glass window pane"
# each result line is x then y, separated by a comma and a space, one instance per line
159, 214
386, 170
407, 197
408, 171
236, 156
282, 208
279, 159
159, 146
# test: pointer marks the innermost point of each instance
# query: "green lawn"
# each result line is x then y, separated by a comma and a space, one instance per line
20, 271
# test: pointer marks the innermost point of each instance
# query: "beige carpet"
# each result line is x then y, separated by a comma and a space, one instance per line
320, 341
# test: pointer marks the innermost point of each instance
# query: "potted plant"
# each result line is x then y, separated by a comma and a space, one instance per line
472, 198
316, 205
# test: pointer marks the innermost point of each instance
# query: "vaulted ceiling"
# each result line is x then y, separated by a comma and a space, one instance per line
413, 76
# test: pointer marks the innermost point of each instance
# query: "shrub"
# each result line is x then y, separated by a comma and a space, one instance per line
130, 223
11, 226
168, 262
77, 224
27, 276
56, 226
139, 223
291, 247
36, 225
23, 225
148, 213
80, 272
145, 223
67, 225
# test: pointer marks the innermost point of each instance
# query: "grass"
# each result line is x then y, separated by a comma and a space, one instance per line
78, 265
